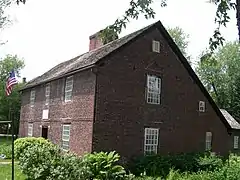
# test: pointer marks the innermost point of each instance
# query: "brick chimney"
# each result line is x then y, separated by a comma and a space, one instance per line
95, 41
24, 80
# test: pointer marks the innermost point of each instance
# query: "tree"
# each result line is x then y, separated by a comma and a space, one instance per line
143, 7
181, 39
220, 74
6, 65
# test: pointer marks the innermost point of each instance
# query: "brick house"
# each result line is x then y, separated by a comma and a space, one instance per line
136, 95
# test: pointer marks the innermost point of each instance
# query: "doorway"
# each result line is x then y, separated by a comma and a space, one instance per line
45, 132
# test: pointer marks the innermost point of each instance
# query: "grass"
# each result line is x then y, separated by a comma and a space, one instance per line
6, 146
6, 172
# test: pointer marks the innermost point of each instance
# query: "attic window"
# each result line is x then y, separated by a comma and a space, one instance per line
201, 106
156, 46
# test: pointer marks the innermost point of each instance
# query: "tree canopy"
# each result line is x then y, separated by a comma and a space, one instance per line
221, 76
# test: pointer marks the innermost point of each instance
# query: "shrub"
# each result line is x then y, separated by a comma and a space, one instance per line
160, 165
36, 160
6, 150
23, 143
103, 165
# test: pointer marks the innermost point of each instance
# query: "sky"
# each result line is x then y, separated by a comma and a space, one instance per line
47, 32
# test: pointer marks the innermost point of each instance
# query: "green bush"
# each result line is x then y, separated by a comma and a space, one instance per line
23, 143
103, 165
36, 161
160, 165
6, 150
40, 159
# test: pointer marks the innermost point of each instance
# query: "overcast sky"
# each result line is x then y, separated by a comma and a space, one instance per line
47, 32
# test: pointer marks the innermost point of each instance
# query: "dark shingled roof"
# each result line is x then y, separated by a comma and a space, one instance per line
231, 121
85, 60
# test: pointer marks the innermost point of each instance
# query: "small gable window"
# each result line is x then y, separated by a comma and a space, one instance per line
68, 88
47, 93
208, 141
235, 142
153, 89
156, 46
201, 106
32, 97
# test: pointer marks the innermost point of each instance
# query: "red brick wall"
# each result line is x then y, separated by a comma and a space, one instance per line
122, 111
79, 112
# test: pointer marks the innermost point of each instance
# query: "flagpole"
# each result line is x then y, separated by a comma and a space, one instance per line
11, 118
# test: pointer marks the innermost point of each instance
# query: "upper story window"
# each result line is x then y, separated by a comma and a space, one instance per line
156, 46
151, 141
32, 97
235, 142
47, 94
201, 106
208, 146
153, 89
68, 88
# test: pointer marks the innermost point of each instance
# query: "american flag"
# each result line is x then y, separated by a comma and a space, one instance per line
11, 81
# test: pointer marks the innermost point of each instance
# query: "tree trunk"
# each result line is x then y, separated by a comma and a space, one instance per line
238, 17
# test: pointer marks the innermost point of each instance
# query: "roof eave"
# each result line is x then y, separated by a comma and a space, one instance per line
58, 77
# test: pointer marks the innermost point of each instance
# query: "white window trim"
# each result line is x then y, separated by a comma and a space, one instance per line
47, 93
32, 97
64, 139
152, 94
235, 142
201, 106
68, 80
155, 146
208, 141
156, 46
30, 129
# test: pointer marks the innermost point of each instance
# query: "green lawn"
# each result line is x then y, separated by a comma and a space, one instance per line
6, 172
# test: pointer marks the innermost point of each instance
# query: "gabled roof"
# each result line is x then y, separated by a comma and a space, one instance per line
231, 121
89, 59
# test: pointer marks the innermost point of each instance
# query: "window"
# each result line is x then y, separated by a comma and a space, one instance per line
65, 137
47, 93
32, 97
208, 141
153, 89
30, 130
156, 46
201, 106
150, 141
235, 142
68, 88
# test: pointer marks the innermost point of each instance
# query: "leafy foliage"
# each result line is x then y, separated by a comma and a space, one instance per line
220, 74
40, 159
22, 144
160, 165
181, 39
13, 101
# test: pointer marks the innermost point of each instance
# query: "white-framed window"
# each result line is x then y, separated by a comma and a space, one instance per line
47, 93
201, 106
153, 89
235, 142
208, 141
151, 140
68, 88
156, 46
32, 97
65, 136
30, 129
